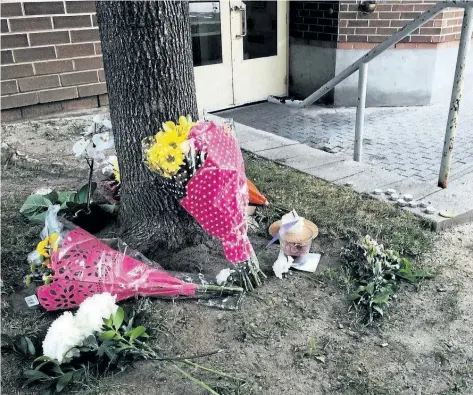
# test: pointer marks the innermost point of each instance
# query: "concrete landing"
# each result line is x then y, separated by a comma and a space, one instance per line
361, 177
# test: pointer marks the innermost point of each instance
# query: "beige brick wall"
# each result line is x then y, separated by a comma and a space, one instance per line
50, 58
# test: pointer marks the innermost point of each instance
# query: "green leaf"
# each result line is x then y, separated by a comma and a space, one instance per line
34, 203
36, 375
405, 264
90, 341
52, 197
370, 288
64, 381
77, 375
28, 382
83, 192
31, 348
354, 296
137, 332
66, 196
118, 318
108, 321
110, 354
38, 218
379, 310
42, 359
382, 298
107, 335
22, 345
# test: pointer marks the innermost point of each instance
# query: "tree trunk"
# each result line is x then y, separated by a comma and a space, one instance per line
147, 56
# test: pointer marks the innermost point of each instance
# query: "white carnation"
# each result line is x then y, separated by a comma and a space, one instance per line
89, 317
63, 335
69, 331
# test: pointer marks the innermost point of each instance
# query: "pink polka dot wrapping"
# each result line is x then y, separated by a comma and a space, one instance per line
217, 195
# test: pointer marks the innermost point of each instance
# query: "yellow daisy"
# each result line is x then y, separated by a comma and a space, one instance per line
164, 159
115, 169
185, 126
170, 160
50, 242
171, 138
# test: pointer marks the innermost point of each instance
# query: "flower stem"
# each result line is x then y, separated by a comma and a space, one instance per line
186, 358
89, 188
220, 373
220, 289
195, 380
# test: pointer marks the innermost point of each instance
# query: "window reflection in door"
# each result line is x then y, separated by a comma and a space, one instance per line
206, 32
261, 39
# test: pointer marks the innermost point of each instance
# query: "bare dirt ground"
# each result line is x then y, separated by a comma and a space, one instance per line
423, 346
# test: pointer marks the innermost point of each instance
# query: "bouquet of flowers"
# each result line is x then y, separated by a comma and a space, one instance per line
74, 265
201, 163
99, 338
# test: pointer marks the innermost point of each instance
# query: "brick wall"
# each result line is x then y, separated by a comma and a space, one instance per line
359, 30
314, 20
342, 22
51, 58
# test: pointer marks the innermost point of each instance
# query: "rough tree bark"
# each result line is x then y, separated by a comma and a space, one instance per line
147, 56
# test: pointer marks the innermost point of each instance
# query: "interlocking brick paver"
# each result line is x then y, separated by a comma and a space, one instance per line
404, 140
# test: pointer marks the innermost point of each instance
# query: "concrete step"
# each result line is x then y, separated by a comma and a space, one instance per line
363, 178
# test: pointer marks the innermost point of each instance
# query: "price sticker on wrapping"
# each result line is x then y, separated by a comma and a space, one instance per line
32, 301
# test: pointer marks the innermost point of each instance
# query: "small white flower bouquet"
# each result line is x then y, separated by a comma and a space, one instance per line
99, 337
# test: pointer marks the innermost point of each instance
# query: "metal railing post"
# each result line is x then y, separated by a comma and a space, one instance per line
360, 111
449, 142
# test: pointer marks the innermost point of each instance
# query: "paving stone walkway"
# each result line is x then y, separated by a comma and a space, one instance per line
405, 140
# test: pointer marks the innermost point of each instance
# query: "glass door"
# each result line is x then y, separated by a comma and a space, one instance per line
259, 49
211, 50
240, 51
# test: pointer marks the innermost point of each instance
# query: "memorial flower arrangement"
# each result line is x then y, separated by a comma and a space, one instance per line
70, 265
202, 165
99, 338
76, 205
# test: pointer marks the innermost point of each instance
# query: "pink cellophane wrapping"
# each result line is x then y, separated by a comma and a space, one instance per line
84, 266
217, 195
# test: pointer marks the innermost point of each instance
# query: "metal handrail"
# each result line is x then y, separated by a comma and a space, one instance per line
361, 65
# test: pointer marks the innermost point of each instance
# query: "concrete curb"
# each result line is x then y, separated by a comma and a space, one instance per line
361, 177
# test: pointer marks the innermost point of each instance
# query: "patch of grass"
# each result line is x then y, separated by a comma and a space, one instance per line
311, 350
339, 212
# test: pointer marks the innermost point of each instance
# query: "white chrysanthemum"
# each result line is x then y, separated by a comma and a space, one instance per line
93, 310
62, 336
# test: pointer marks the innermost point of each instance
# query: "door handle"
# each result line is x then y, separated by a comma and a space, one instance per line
244, 29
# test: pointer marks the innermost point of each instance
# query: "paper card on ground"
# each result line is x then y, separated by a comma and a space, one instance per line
307, 263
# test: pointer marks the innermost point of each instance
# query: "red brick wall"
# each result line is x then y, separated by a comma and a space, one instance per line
359, 30
51, 58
